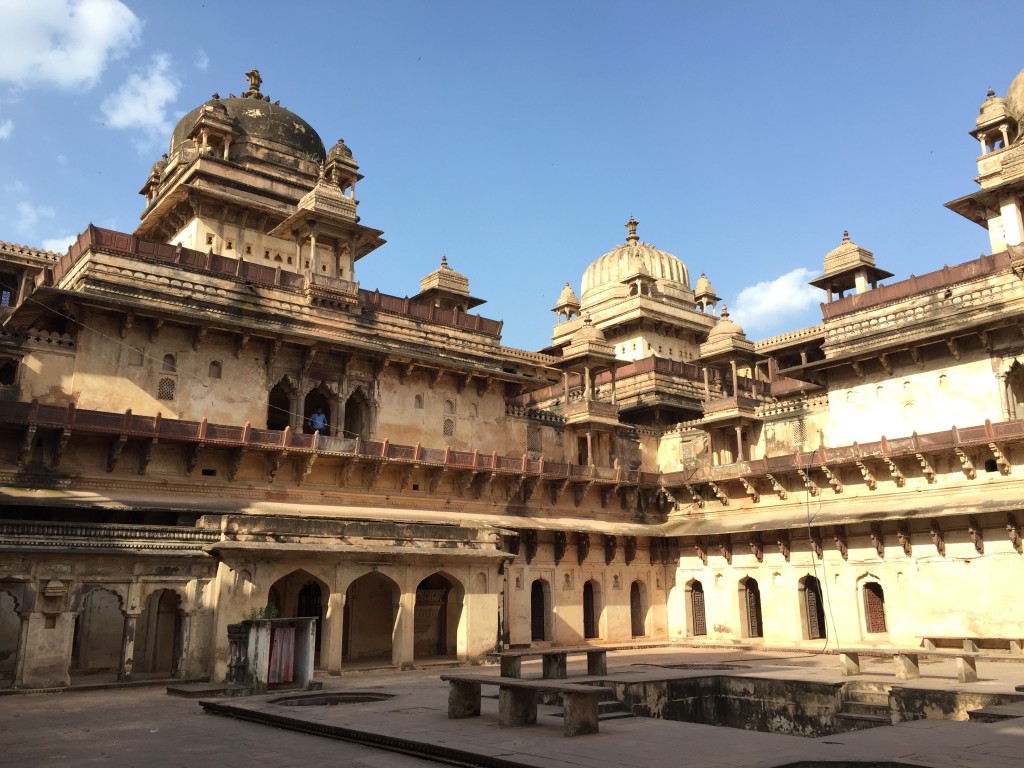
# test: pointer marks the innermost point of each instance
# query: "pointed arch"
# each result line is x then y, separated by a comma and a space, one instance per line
540, 610
438, 614
301, 594
357, 414
750, 608
697, 623
369, 622
159, 639
592, 609
280, 401
639, 609
98, 632
812, 608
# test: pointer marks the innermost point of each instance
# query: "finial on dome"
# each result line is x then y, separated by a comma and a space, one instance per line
444, 261
216, 96
631, 227
725, 312
255, 81
990, 93
846, 236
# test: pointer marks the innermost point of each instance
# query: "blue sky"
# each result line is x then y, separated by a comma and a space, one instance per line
518, 138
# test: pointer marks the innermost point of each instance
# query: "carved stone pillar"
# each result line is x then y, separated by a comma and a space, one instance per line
124, 675
332, 631
402, 653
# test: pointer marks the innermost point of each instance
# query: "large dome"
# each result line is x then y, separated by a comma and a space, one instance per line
1015, 99
619, 263
254, 117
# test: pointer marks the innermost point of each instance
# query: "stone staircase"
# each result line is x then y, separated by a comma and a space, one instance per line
864, 705
608, 707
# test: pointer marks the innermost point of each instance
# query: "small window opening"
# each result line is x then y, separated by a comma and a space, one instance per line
209, 473
165, 389
215, 369
209, 239
170, 364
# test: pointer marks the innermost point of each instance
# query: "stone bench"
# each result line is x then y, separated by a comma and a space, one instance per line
971, 644
907, 662
517, 700
553, 661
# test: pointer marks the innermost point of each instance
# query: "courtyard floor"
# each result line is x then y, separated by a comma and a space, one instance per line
142, 726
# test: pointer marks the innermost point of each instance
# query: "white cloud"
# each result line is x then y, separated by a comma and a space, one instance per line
6, 129
766, 306
29, 216
141, 103
59, 244
63, 43
202, 60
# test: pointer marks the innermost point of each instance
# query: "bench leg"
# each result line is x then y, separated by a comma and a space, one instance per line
597, 663
517, 706
849, 663
511, 666
906, 665
929, 644
554, 666
580, 713
967, 669
463, 699
970, 645
1016, 647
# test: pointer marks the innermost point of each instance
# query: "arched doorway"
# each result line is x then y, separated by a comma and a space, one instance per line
751, 603
637, 610
812, 608
357, 415
99, 632
698, 619
300, 594
540, 596
316, 398
874, 607
10, 637
591, 609
158, 634
279, 406
371, 604
436, 619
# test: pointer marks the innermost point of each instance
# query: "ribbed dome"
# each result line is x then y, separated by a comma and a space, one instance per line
253, 117
1015, 99
621, 262
587, 332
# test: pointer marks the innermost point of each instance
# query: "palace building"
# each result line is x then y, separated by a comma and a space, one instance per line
651, 473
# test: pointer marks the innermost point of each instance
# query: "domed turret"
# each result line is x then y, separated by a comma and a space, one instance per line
704, 294
725, 329
848, 266
568, 305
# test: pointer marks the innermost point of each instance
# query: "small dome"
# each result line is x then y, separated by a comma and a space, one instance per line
587, 332
725, 328
993, 109
1015, 98
703, 285
622, 262
567, 297
846, 255
340, 151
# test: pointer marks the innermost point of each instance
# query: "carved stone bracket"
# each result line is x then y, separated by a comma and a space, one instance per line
869, 478
886, 362
701, 546
1000, 457
579, 492
307, 466
877, 539
405, 476
557, 488
751, 490
276, 460
464, 480
348, 466
606, 492
954, 348
373, 472
903, 536
241, 343
27, 442
1013, 532
782, 540
514, 487
966, 463
582, 547
839, 536
725, 547
777, 486
858, 369
198, 336
61, 445
898, 477
817, 545
926, 467
976, 534
434, 476
235, 462
529, 538
756, 546
697, 498
833, 479
722, 495
117, 445
917, 357
529, 486
610, 545
938, 538
560, 545
630, 549
808, 483
482, 482
147, 455
127, 321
